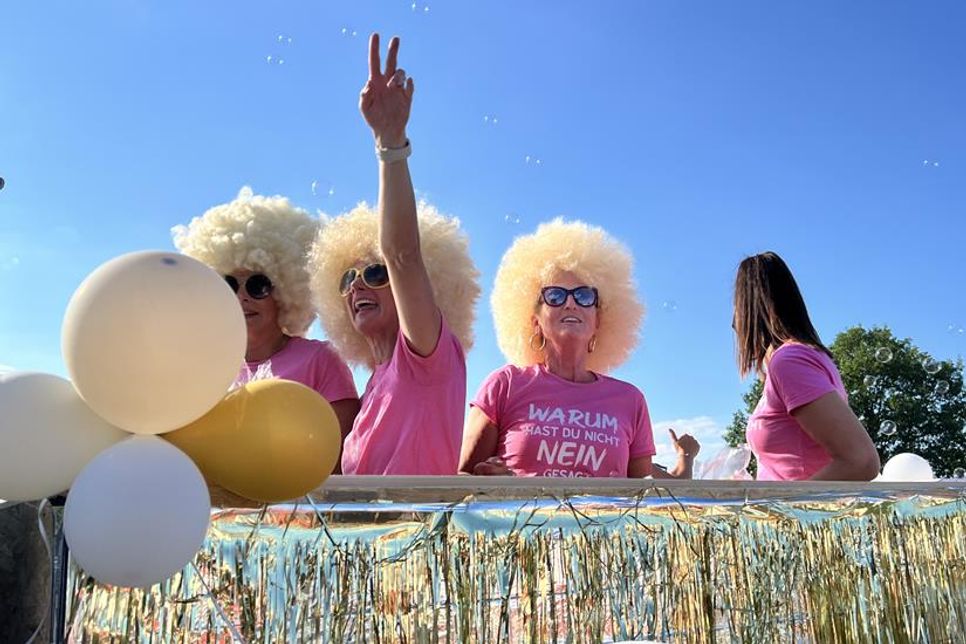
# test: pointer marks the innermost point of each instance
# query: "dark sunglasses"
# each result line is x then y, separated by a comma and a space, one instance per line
258, 286
585, 296
373, 276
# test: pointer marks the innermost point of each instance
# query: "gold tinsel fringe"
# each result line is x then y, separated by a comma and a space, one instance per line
834, 569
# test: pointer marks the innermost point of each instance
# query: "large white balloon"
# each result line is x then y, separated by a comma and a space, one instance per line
907, 467
47, 435
153, 340
137, 513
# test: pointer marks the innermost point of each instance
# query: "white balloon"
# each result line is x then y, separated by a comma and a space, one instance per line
47, 435
137, 513
152, 340
907, 467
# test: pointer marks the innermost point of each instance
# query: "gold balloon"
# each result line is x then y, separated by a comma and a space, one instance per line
271, 441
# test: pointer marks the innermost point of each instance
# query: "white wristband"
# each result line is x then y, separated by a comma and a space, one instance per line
391, 155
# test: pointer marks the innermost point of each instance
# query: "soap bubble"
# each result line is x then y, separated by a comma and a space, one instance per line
883, 354
888, 428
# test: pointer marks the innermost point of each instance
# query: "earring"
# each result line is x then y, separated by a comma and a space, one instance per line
543, 341
592, 344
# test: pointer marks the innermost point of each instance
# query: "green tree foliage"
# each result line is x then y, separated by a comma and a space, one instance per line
735, 432
907, 400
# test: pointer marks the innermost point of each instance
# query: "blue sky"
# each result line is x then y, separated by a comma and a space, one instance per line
697, 132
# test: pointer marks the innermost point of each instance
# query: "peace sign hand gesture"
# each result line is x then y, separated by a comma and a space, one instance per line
387, 96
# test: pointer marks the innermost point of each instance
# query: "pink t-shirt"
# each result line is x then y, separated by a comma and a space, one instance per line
411, 421
797, 374
550, 426
313, 363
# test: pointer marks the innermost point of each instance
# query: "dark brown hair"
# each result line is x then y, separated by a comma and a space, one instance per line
769, 310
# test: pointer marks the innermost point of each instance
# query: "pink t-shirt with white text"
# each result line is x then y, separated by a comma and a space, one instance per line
796, 375
313, 363
411, 421
550, 426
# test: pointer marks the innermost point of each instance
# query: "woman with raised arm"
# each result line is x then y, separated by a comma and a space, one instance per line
803, 427
566, 312
259, 244
396, 290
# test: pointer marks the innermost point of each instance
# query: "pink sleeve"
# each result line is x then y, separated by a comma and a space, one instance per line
491, 396
798, 376
438, 367
332, 376
643, 443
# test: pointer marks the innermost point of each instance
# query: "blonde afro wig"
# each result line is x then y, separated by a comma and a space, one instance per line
594, 257
260, 234
354, 236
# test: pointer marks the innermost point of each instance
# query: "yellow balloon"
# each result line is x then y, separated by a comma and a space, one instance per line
271, 440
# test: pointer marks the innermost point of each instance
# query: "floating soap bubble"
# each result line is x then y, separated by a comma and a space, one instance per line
319, 189
935, 164
349, 33
942, 388
931, 366
670, 306
281, 61
888, 428
269, 59
959, 473
883, 354
869, 381
2, 183
511, 218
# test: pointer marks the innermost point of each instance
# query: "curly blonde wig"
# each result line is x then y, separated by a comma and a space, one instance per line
354, 237
260, 234
596, 258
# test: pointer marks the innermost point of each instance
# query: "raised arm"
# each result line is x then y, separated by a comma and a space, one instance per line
686, 447
385, 104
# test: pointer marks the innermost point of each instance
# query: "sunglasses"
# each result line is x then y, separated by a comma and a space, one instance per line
585, 296
373, 276
258, 286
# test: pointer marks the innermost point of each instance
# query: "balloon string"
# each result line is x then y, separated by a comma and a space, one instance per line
325, 527
50, 558
221, 613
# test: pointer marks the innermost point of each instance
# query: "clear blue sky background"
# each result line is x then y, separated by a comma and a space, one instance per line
698, 132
